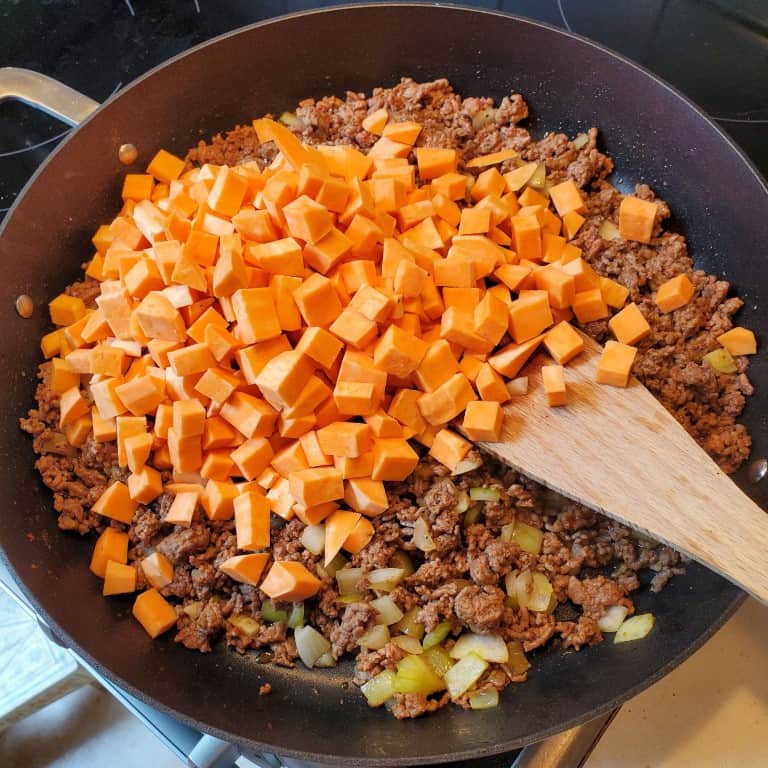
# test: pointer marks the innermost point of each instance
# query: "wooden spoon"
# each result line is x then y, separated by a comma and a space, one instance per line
620, 452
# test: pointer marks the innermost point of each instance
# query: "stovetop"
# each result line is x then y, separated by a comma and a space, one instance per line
715, 51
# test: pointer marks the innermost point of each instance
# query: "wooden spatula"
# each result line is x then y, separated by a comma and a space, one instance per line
620, 452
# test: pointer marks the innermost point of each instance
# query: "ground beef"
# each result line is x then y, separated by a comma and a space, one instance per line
356, 620
480, 608
177, 546
197, 633
590, 561
595, 595
410, 705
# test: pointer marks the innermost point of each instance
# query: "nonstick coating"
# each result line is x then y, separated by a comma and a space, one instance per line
653, 134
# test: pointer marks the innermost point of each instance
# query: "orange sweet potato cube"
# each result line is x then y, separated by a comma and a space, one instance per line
433, 162
567, 197
116, 503
154, 613
317, 300
145, 485
563, 343
483, 420
355, 398
282, 379
290, 581
228, 192
246, 569
119, 579
251, 416
615, 364
490, 386
252, 515
491, 319
560, 287
510, 360
256, 315
553, 379
447, 401
398, 352
589, 305
738, 341
354, 328
344, 438
436, 367
527, 237
316, 485
529, 315
636, 219
112, 545
218, 499
629, 325
614, 294
165, 167
393, 459
449, 448
674, 293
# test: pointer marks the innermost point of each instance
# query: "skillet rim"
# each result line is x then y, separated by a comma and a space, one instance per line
476, 752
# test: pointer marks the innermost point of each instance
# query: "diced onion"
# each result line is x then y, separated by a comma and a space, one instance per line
326, 661
518, 386
348, 579
510, 584
473, 515
353, 597
484, 494
611, 620
462, 502
387, 612
402, 560
721, 361
634, 628
581, 140
437, 635
379, 688
464, 674
335, 565
410, 624
518, 662
408, 644
527, 537
271, 614
485, 699
385, 579
488, 647
468, 464
310, 644
376, 637
608, 230
483, 117
539, 178
246, 624
313, 539
540, 598
193, 609
414, 675
421, 535
296, 616
439, 659
289, 119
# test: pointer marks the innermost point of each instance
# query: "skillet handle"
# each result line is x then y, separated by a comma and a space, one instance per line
46, 94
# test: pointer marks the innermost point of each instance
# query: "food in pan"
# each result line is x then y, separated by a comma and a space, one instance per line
253, 401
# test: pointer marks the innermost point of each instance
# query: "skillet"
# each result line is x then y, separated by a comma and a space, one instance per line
654, 135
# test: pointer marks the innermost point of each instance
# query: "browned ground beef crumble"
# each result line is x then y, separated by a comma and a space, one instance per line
462, 579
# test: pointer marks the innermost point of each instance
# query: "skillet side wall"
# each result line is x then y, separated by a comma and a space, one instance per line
653, 136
